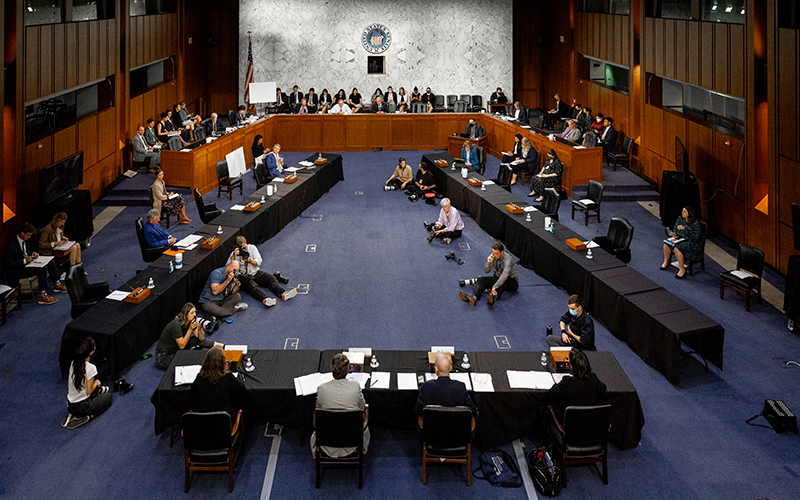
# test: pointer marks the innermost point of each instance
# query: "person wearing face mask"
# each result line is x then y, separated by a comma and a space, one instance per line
550, 176
577, 328
594, 131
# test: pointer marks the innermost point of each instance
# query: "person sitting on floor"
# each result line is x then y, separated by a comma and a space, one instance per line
185, 331
577, 328
253, 278
424, 182
449, 225
220, 297
402, 175
154, 235
86, 397
505, 277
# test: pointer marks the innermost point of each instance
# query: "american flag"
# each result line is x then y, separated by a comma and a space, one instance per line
248, 79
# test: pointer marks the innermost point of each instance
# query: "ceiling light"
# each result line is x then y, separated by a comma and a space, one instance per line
728, 9
742, 12
714, 7
30, 9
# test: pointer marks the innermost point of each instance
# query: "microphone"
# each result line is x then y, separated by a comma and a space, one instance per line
124, 283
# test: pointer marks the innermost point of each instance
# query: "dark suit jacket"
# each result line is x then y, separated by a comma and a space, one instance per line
479, 131
212, 127
376, 108
14, 259
532, 160
312, 101
610, 142
427, 98
282, 101
498, 98
562, 110
393, 96
572, 391
150, 136
584, 121
295, 99
296, 109
444, 392
523, 114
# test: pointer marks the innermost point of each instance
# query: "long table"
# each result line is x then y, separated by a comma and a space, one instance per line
650, 319
503, 416
124, 331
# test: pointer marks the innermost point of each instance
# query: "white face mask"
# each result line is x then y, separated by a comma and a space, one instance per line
599, 120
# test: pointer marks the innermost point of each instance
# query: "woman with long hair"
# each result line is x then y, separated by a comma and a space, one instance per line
167, 201
86, 397
325, 102
685, 242
402, 100
470, 156
355, 101
528, 160
215, 388
53, 235
581, 388
185, 331
550, 175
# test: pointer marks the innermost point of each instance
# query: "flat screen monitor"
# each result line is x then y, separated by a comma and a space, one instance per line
61, 178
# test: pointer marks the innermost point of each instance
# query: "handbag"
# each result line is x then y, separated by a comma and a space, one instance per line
499, 468
545, 474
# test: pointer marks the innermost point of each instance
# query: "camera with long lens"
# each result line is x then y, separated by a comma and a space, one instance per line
469, 282
431, 237
243, 253
389, 188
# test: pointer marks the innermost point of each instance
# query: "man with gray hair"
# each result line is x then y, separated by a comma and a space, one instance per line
220, 297
443, 391
449, 225
253, 278
153, 234
214, 126
274, 161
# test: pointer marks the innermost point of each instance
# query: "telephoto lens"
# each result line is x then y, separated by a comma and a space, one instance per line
450, 256
469, 282
389, 188
412, 198
431, 237
243, 253
280, 278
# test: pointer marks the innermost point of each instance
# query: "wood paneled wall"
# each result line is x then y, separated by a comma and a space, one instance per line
153, 38
708, 55
609, 102
150, 105
787, 137
604, 36
62, 56
527, 54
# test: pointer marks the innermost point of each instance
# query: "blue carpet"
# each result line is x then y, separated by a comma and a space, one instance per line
375, 281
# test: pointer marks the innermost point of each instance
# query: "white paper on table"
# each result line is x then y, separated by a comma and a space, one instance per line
354, 357
526, 126
40, 261
407, 381
462, 377
237, 207
444, 348
380, 380
742, 274
229, 129
306, 163
117, 295
277, 179
482, 382
366, 350
579, 147
558, 376
292, 169
185, 150
232, 347
360, 377
209, 139
185, 242
430, 376
307, 384
63, 247
488, 183
529, 379
590, 244
529, 208
186, 374
4, 288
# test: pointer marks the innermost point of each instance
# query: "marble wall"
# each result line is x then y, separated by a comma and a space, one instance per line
453, 46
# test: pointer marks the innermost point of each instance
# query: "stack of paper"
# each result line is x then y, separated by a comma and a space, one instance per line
63, 247
306, 163
355, 358
232, 347
407, 381
118, 295
529, 208
237, 207
529, 380
482, 382
307, 384
360, 377
188, 241
462, 377
742, 274
186, 374
380, 380
40, 261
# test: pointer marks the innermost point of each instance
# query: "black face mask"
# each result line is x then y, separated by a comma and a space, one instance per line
550, 158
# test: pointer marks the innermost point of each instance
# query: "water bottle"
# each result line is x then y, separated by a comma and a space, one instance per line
528, 218
544, 359
263, 200
171, 267
465, 362
150, 284
374, 363
219, 229
178, 260
589, 254
320, 156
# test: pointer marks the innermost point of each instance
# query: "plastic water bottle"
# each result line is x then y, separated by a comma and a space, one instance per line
465, 362
589, 254
374, 363
528, 217
171, 267
150, 284
178, 260
263, 200
544, 359
219, 229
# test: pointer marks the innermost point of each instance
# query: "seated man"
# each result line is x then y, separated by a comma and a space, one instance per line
577, 328
449, 225
214, 126
424, 182
302, 107
186, 331
252, 278
340, 108
474, 131
15, 264
443, 391
498, 96
340, 394
608, 139
154, 235
281, 101
220, 297
559, 111
573, 133
274, 161
150, 134
505, 277
295, 97
379, 106
312, 100
142, 152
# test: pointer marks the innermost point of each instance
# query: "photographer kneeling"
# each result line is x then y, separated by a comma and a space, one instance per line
505, 277
449, 225
252, 278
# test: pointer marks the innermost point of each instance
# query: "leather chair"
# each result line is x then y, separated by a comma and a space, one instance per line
451, 101
621, 157
173, 144
211, 443
751, 261
460, 107
81, 293
418, 107
594, 195
164, 215
477, 104
148, 254
261, 175
446, 437
231, 118
481, 151
550, 204
618, 240
226, 182
466, 98
582, 438
207, 212
703, 237
438, 104
199, 133
504, 174
533, 168
339, 429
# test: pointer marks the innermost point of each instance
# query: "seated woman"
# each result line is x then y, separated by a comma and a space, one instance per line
86, 398
257, 148
470, 156
550, 175
171, 128
162, 133
580, 388
595, 130
183, 332
215, 388
163, 203
187, 131
340, 95
355, 101
415, 96
241, 115
378, 93
527, 162
325, 102
402, 175
402, 100
689, 246
516, 151
53, 235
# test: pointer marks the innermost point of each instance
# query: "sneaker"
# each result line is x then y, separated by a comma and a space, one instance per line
66, 419
74, 423
241, 306
490, 300
58, 287
46, 299
471, 299
269, 302
288, 294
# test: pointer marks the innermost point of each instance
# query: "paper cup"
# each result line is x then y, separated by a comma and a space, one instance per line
547, 223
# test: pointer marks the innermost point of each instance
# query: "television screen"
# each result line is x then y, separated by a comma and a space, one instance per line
61, 177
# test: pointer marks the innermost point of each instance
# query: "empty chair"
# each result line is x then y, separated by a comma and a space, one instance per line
231, 118
481, 152
477, 104
211, 442
504, 176
582, 438
594, 195
746, 278
550, 204
148, 254
226, 182
621, 157
451, 100
261, 175
438, 103
446, 437
339, 429
199, 133
207, 212
417, 107
173, 144
460, 107
81, 293
466, 98
8, 297
617, 242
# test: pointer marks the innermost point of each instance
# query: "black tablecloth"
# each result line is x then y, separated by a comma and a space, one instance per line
270, 388
607, 290
508, 414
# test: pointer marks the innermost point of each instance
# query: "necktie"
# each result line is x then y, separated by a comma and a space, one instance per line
143, 143
22, 246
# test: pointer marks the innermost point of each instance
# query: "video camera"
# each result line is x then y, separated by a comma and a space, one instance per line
243, 253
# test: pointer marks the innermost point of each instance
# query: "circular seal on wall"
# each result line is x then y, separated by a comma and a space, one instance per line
376, 38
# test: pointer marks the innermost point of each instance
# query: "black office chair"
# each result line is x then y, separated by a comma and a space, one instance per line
339, 429
466, 98
751, 261
594, 195
225, 182
261, 175
591, 140
582, 438
8, 297
504, 174
211, 443
477, 104
446, 437
623, 157
148, 254
207, 212
164, 215
617, 241
173, 144
81, 293
550, 204
199, 133
438, 103
460, 107
481, 151
451, 101
418, 107
231, 118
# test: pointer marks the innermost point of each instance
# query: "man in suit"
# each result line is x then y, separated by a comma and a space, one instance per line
150, 133
379, 106
443, 391
274, 161
281, 101
474, 131
154, 235
340, 394
295, 97
214, 126
302, 107
520, 113
312, 100
558, 112
608, 139
498, 96
573, 133
143, 152
15, 264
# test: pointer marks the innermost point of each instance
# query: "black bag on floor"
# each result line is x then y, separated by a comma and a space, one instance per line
546, 475
499, 468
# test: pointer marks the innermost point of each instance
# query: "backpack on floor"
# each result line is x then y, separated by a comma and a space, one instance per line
499, 468
546, 475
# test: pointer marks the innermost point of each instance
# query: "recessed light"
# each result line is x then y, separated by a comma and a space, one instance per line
714, 7
30, 9
729, 9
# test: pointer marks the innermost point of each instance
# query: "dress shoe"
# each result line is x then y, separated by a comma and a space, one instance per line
471, 299
679, 276
664, 268
490, 300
